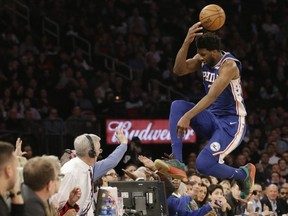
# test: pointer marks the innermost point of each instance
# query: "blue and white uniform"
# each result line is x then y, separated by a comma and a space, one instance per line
223, 123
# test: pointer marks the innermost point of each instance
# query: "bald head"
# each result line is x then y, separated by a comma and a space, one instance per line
272, 191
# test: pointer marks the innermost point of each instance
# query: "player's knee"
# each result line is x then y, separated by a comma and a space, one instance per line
177, 104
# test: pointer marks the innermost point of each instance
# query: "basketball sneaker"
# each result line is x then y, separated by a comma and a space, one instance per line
171, 168
248, 184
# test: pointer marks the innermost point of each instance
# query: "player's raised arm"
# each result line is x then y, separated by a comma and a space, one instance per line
183, 65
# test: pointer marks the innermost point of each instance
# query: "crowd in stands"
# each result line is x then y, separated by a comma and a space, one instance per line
50, 89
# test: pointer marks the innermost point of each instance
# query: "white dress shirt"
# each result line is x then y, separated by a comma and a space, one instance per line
76, 175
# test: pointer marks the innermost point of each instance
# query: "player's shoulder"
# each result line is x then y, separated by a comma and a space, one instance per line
228, 60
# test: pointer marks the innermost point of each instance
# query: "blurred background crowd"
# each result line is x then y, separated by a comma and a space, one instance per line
52, 89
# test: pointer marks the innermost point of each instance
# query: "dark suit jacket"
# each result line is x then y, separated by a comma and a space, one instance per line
16, 209
282, 207
236, 206
33, 204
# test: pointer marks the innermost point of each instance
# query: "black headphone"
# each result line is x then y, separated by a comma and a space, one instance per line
92, 152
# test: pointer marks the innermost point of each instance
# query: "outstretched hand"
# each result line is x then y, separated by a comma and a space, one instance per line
147, 162
130, 174
120, 136
74, 196
18, 149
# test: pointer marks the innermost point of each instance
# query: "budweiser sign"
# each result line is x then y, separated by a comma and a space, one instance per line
150, 131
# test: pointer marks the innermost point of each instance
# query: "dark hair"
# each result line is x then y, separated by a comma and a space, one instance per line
6, 152
137, 141
38, 172
207, 177
205, 198
209, 41
213, 187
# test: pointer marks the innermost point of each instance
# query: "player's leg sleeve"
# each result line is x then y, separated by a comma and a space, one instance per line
208, 164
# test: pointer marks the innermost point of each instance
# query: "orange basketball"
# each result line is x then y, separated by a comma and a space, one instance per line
212, 17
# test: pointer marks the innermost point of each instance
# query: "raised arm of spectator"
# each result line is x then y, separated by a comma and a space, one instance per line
102, 166
71, 207
169, 188
18, 148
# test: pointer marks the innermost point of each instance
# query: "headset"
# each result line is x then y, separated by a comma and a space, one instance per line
92, 152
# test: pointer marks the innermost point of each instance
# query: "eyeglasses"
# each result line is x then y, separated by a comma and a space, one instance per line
112, 175
60, 176
255, 192
284, 193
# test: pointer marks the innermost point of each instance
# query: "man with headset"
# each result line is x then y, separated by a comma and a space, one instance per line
81, 170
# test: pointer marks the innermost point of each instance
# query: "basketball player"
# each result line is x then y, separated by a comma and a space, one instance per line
219, 115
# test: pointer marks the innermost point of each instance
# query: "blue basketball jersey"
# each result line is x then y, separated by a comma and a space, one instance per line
230, 101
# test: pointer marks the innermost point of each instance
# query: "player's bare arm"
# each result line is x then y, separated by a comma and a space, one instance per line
183, 65
227, 72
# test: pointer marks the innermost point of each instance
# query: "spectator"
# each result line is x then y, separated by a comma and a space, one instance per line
131, 156
177, 204
263, 168
9, 182
25, 105
111, 175
130, 168
216, 195
202, 196
254, 205
80, 172
41, 180
234, 200
271, 150
283, 169
276, 205
226, 185
28, 150
283, 193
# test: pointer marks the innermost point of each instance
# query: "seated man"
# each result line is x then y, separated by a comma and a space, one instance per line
276, 204
41, 180
9, 181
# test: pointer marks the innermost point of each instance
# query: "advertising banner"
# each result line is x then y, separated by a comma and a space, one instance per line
150, 131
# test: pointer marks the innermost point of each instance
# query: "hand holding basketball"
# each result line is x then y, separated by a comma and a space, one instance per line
212, 17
